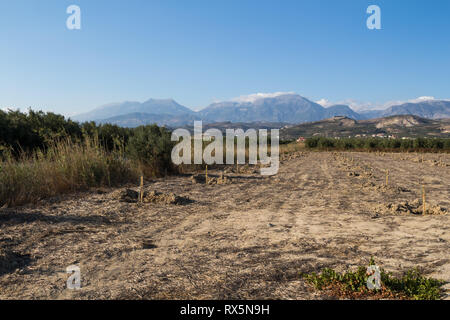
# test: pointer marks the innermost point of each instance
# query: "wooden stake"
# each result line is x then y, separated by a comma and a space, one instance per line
141, 190
206, 174
423, 200
387, 177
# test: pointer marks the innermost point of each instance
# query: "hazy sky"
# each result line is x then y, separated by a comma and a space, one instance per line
198, 52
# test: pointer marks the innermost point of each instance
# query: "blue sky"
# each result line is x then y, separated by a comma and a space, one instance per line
197, 52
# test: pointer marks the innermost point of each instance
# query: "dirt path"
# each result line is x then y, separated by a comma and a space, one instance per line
246, 240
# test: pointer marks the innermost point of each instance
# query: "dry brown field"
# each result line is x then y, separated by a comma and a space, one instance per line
247, 238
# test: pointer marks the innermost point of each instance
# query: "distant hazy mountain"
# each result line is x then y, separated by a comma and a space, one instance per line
152, 106
432, 109
275, 108
137, 119
370, 114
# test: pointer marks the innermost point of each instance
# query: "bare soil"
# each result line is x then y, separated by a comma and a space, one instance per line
247, 239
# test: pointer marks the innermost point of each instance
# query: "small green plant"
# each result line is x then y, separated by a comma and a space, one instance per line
353, 284
414, 285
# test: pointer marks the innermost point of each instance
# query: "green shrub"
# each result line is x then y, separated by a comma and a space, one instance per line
412, 285
151, 147
44, 154
311, 143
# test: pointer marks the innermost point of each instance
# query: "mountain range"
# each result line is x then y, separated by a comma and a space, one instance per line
286, 108
153, 107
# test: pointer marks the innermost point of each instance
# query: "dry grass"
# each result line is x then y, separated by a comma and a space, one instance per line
292, 147
65, 167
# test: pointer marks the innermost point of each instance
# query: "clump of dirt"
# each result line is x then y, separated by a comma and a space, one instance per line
438, 163
164, 198
10, 261
200, 178
433, 163
414, 207
219, 180
148, 244
384, 188
132, 196
243, 169
291, 156
127, 195
353, 174
249, 169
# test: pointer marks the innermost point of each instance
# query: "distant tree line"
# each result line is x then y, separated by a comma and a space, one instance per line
26, 132
417, 144
23, 133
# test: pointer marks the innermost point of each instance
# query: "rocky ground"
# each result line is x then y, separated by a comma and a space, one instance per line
241, 236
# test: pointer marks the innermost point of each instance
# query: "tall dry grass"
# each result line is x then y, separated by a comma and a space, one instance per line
292, 147
65, 167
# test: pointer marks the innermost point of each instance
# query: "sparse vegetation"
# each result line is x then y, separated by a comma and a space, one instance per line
64, 167
44, 155
291, 147
353, 284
